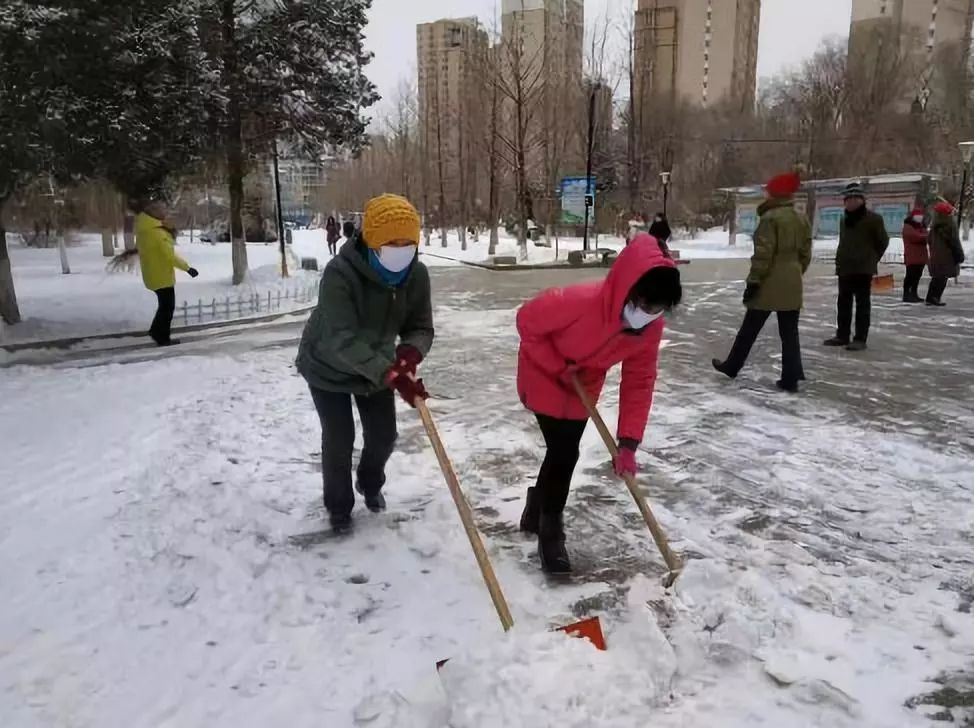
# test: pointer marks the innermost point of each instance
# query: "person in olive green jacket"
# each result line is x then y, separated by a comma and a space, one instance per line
782, 254
158, 260
862, 242
371, 329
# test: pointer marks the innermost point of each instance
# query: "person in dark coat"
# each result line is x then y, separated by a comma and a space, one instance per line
364, 341
862, 243
660, 229
348, 230
332, 234
946, 252
782, 254
914, 254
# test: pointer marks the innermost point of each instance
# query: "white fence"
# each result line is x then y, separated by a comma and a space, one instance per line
241, 306
888, 259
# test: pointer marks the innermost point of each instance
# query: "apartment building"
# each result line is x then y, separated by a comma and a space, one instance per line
913, 37
704, 52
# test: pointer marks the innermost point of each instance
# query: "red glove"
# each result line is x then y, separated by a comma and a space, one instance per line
625, 463
408, 387
408, 358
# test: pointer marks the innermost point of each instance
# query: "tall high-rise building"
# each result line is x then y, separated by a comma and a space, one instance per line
451, 55
704, 52
910, 38
551, 33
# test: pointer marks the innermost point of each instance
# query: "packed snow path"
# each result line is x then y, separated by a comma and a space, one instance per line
164, 564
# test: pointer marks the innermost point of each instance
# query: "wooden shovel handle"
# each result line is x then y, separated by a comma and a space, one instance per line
466, 516
671, 559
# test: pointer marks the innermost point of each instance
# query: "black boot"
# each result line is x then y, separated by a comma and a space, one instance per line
721, 367
551, 545
341, 523
375, 502
532, 512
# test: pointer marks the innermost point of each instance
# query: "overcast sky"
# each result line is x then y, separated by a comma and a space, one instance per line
791, 30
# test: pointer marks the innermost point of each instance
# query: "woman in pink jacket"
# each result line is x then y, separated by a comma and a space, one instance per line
585, 330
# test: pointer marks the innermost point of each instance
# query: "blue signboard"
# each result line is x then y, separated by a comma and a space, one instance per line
573, 192
747, 220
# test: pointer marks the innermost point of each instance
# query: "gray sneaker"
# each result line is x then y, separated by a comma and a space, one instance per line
856, 346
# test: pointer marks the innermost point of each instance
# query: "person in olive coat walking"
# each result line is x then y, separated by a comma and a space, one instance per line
782, 254
862, 242
370, 331
946, 252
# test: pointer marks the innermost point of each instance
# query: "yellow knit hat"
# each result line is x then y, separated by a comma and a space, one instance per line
388, 218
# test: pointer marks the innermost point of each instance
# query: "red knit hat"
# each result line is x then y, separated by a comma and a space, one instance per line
944, 208
784, 185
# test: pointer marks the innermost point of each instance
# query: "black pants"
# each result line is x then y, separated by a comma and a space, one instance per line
161, 327
378, 415
791, 353
912, 281
856, 287
561, 438
332, 246
937, 287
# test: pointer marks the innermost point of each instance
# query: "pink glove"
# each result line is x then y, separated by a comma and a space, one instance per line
625, 463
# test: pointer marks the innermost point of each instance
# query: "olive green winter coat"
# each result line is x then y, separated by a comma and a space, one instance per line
349, 343
782, 254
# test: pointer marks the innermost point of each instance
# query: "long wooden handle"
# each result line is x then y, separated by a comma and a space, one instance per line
466, 515
671, 559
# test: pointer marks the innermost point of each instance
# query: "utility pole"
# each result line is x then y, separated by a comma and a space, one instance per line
589, 187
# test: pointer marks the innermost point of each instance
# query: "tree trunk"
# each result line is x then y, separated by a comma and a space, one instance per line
9, 311
234, 142
107, 246
128, 229
62, 252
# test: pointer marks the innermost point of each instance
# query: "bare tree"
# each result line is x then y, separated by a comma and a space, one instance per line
520, 84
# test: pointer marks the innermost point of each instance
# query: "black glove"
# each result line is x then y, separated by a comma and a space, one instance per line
751, 292
193, 272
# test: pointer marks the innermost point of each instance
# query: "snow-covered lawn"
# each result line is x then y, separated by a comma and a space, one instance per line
93, 301
706, 245
164, 563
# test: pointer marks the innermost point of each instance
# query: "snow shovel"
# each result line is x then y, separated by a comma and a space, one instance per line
590, 629
671, 559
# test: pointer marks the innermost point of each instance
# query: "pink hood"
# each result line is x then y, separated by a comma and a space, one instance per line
583, 324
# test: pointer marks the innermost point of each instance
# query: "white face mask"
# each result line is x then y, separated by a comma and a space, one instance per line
636, 318
396, 259
918, 218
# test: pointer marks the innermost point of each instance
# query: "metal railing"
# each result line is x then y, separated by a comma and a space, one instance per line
241, 306
888, 259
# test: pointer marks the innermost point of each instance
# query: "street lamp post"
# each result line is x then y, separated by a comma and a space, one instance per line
967, 152
665, 179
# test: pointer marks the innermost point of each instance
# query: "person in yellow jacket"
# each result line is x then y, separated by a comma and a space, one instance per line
159, 261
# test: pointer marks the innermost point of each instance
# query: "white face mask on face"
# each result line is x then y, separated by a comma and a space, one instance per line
636, 318
396, 259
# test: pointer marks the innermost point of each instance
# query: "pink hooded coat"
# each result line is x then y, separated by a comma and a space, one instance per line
583, 324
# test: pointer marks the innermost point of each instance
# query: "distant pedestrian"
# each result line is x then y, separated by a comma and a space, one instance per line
782, 254
155, 241
862, 243
370, 331
914, 254
660, 229
946, 252
332, 234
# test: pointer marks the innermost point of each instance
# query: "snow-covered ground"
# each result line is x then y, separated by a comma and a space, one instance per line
164, 561
93, 301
